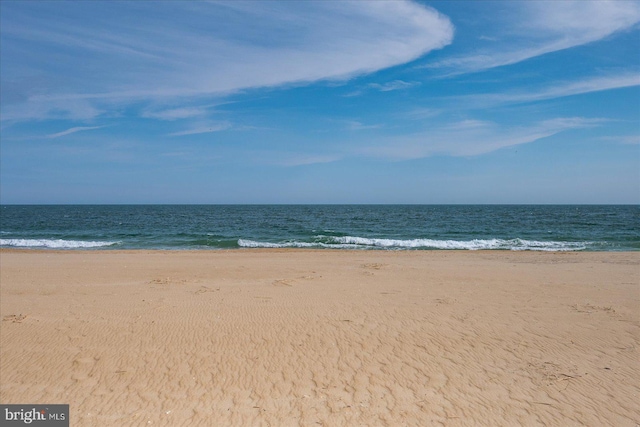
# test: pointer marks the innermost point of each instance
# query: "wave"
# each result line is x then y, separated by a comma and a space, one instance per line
351, 242
54, 243
332, 242
475, 244
244, 243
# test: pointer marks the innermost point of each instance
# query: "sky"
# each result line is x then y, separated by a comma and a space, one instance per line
320, 102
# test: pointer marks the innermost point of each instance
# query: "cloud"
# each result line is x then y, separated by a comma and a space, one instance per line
356, 125
469, 138
630, 139
578, 87
537, 28
176, 113
594, 84
42, 108
73, 130
215, 127
182, 50
394, 85
353, 93
383, 87
623, 139
420, 113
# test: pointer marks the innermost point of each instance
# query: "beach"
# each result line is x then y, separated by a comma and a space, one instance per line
286, 337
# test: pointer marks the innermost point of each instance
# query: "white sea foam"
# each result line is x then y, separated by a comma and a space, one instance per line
53, 243
475, 244
243, 243
253, 244
345, 242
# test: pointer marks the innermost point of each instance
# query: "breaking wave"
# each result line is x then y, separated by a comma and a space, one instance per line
351, 242
54, 243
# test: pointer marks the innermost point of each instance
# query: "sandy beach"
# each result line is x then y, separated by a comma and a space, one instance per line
333, 338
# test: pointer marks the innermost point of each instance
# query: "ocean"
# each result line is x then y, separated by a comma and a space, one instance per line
366, 227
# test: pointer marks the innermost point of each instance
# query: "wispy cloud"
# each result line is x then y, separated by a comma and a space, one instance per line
537, 28
186, 50
594, 84
382, 87
393, 85
630, 139
623, 139
42, 108
356, 125
420, 113
73, 130
470, 138
175, 113
578, 87
214, 127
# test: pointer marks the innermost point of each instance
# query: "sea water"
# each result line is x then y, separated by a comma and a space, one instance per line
382, 227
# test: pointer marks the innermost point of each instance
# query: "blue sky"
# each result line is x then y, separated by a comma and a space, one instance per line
320, 102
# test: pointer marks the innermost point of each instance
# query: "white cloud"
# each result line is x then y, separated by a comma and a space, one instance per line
394, 85
594, 84
578, 87
356, 125
73, 130
176, 113
353, 93
468, 124
630, 139
623, 139
420, 113
540, 27
383, 87
469, 138
39, 108
186, 49
214, 127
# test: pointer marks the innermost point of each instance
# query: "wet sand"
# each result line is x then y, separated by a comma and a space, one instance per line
333, 338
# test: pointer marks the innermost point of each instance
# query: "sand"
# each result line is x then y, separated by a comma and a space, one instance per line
332, 338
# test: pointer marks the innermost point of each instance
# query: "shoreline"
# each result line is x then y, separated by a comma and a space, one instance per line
319, 336
6, 249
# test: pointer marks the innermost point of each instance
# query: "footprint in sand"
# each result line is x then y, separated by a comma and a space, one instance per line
14, 318
204, 289
283, 282
290, 282
167, 281
590, 308
373, 266
83, 368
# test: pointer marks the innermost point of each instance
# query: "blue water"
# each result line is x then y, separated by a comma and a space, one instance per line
388, 227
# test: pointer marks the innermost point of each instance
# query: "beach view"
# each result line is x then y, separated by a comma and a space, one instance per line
320, 213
